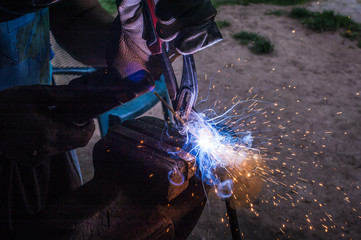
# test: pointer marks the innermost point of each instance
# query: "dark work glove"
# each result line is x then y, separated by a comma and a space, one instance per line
40, 121
29, 132
101, 91
190, 23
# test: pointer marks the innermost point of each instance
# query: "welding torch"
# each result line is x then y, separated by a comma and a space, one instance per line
183, 98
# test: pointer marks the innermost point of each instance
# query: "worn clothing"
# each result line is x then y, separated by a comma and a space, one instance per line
24, 190
25, 50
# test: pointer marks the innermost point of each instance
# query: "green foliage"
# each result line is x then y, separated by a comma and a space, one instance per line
300, 13
222, 24
109, 5
255, 42
328, 21
325, 21
216, 3
359, 44
351, 35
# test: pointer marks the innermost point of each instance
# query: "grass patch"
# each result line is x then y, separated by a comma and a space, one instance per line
325, 21
109, 5
256, 43
328, 21
223, 24
300, 13
216, 3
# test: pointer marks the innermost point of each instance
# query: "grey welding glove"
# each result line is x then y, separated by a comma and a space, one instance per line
29, 133
127, 48
190, 23
187, 24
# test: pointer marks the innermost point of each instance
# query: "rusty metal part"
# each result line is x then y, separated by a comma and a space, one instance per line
146, 143
130, 196
175, 114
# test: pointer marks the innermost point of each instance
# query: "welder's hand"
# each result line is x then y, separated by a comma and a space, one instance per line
127, 48
190, 23
105, 89
29, 133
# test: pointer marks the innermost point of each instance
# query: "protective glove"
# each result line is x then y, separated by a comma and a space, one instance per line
188, 26
29, 133
189, 23
127, 49
101, 91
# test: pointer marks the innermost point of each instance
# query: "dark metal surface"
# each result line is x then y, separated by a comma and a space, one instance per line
130, 196
233, 221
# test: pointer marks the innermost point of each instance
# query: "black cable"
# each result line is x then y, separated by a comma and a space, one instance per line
233, 221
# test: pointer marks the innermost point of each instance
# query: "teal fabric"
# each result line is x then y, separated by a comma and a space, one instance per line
25, 50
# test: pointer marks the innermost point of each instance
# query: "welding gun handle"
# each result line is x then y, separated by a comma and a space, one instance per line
157, 46
150, 20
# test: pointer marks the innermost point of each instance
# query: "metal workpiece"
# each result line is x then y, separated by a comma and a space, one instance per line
154, 159
143, 188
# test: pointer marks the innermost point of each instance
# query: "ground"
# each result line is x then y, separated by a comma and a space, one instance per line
315, 79
311, 89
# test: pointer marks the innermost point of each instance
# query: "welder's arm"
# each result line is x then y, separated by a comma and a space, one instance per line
29, 133
82, 28
39, 121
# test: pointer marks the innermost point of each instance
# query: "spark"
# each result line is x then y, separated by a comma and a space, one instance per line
234, 160
223, 156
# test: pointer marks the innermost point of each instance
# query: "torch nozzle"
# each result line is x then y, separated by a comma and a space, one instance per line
170, 108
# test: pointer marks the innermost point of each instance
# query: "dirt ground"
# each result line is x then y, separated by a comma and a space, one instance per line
315, 81
312, 89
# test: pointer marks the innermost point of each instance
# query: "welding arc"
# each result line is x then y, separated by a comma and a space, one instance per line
170, 108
